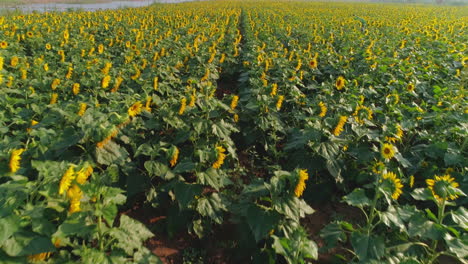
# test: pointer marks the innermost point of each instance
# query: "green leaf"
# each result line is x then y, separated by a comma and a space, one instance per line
159, 169
261, 221
392, 217
43, 226
292, 207
212, 206
27, 243
404, 162
92, 255
130, 235
419, 226
458, 246
367, 246
185, 193
8, 226
332, 234
357, 198
460, 217
185, 165
111, 153
213, 178
75, 225
422, 194
295, 248
109, 212
334, 168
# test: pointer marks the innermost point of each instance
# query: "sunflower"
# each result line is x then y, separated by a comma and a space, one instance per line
323, 109
301, 185
83, 174
40, 257
48, 46
117, 84
313, 63
410, 87
340, 83
53, 98
105, 81
234, 101
394, 183
14, 61
464, 61
148, 103
411, 181
205, 77
183, 104
135, 109
357, 113
155, 83
55, 83
377, 167
340, 126
76, 88
274, 89
29, 34
279, 103
75, 194
221, 156
3, 44
15, 159
174, 157
66, 180
387, 151
82, 110
442, 187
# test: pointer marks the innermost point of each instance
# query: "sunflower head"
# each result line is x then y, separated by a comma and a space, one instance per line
388, 151
391, 183
313, 63
135, 109
340, 83
410, 87
443, 187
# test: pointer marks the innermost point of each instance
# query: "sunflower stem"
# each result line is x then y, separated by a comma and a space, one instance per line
372, 211
440, 218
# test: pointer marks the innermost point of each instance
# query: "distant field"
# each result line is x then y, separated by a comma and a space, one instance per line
56, 1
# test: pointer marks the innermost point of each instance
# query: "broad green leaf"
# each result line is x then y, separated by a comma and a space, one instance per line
159, 169
460, 217
392, 217
185, 193
212, 206
367, 246
130, 235
459, 246
213, 177
185, 165
75, 225
357, 198
111, 153
419, 226
333, 233
261, 221
8, 226
422, 194
27, 243
292, 207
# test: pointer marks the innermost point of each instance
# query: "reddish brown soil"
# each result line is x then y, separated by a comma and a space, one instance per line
170, 250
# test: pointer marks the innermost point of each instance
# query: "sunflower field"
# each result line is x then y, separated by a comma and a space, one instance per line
239, 116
